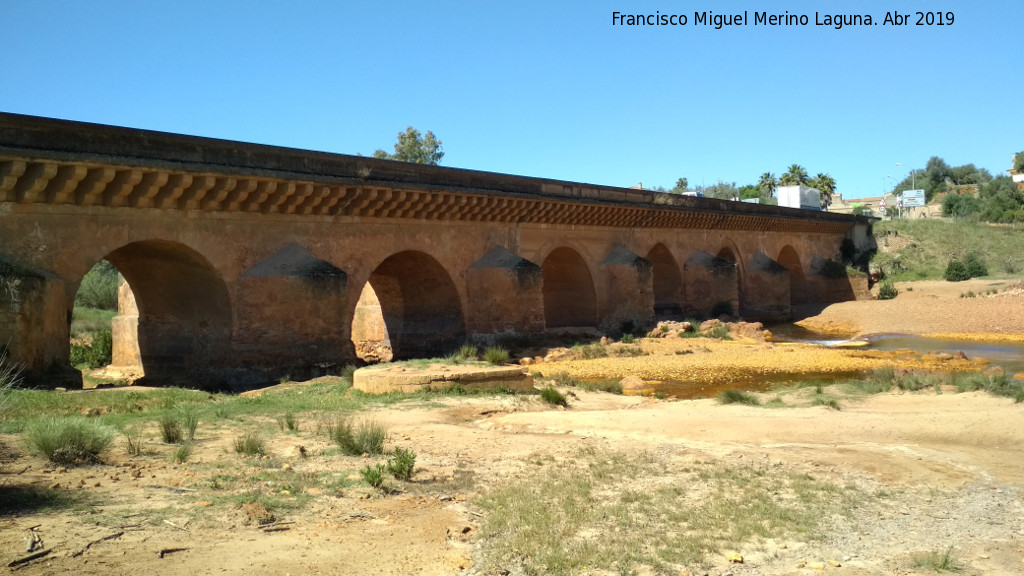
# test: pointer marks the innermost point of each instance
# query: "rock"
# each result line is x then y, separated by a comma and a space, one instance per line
1018, 376
994, 372
525, 361
816, 565
604, 340
834, 564
734, 557
633, 383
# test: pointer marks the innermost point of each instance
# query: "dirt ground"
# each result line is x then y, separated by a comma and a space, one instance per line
953, 465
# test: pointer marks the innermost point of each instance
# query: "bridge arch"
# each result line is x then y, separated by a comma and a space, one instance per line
730, 253
570, 299
183, 325
790, 260
667, 280
409, 307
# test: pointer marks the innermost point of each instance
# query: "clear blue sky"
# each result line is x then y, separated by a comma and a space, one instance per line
549, 89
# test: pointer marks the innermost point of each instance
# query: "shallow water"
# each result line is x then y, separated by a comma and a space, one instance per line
1008, 355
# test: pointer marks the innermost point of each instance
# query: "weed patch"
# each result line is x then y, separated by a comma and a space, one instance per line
402, 463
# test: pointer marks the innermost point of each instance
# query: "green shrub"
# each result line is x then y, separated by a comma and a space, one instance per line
250, 444
629, 351
402, 463
628, 338
96, 354
738, 397
553, 397
69, 440
975, 265
496, 356
373, 475
956, 272
887, 291
468, 352
358, 438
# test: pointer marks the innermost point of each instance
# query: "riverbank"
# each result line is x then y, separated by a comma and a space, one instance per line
978, 309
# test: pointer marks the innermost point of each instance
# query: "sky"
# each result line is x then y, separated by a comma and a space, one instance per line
545, 89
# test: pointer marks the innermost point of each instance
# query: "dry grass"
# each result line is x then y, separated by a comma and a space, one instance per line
619, 512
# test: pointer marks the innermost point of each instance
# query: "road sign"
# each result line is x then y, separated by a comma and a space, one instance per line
913, 198
881, 203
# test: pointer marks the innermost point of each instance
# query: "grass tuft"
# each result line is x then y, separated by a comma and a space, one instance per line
939, 561
738, 397
70, 440
496, 356
552, 396
356, 438
250, 444
182, 453
289, 422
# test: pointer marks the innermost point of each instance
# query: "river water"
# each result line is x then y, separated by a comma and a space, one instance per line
1009, 355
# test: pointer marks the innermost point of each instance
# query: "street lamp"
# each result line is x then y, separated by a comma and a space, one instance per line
913, 180
900, 209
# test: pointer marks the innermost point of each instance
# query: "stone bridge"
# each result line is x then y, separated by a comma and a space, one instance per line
241, 259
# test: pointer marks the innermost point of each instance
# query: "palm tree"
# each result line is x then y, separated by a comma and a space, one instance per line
826, 185
768, 183
795, 174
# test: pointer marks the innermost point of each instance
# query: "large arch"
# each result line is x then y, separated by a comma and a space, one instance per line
184, 311
668, 282
789, 259
569, 296
409, 307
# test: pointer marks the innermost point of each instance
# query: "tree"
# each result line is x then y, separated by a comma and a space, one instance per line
416, 148
1018, 162
722, 191
768, 183
959, 205
826, 186
681, 186
794, 175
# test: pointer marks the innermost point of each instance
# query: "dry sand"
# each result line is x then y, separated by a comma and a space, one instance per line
956, 462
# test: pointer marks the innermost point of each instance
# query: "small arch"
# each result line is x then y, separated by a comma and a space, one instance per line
183, 326
789, 259
409, 307
729, 254
667, 281
569, 296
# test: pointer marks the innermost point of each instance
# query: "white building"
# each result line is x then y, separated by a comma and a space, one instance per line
799, 196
